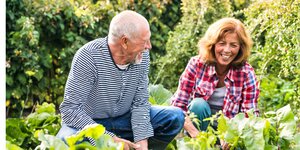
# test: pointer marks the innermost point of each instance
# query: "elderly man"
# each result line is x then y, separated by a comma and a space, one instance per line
107, 84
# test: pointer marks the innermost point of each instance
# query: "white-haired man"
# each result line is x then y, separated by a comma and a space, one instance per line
107, 84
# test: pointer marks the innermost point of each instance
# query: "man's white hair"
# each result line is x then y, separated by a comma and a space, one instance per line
126, 23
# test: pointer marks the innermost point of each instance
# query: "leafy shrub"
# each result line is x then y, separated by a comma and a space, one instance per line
20, 132
275, 93
274, 25
276, 130
182, 43
42, 37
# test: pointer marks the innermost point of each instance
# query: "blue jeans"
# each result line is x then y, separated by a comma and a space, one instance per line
167, 122
200, 108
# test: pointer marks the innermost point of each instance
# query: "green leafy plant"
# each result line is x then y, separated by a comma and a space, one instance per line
276, 130
10, 146
96, 132
275, 29
182, 42
43, 36
159, 95
44, 118
49, 142
19, 131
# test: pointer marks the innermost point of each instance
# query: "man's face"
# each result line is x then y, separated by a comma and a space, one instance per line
136, 47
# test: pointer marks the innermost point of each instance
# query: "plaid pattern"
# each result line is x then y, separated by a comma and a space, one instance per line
199, 80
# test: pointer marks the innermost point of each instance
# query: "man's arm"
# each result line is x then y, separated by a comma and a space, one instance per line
140, 110
80, 82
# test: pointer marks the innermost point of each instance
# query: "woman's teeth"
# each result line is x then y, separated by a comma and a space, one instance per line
225, 56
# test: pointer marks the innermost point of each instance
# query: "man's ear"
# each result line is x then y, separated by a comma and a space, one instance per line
124, 41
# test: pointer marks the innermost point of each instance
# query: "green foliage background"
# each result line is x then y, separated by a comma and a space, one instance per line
42, 37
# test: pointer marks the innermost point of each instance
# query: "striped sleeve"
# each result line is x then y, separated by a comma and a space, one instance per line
80, 81
140, 119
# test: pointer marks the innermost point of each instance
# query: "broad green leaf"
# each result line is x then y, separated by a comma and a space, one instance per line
11, 146
222, 126
84, 145
105, 142
271, 147
39, 74
30, 73
286, 121
159, 94
297, 141
252, 134
9, 80
50, 142
45, 107
94, 131
16, 131
22, 79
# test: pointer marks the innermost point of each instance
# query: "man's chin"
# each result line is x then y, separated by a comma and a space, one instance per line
138, 60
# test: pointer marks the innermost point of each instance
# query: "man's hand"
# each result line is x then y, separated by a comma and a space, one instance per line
224, 145
143, 144
127, 144
190, 128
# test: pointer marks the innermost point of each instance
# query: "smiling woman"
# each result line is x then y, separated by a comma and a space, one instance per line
219, 78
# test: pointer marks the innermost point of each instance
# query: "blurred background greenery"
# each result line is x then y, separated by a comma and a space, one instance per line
43, 35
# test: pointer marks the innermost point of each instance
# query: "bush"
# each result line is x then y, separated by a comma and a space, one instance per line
182, 43
42, 37
275, 27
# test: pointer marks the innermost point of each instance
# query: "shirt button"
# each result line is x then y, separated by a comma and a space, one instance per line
123, 83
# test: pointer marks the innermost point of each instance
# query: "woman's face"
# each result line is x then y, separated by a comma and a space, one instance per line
227, 49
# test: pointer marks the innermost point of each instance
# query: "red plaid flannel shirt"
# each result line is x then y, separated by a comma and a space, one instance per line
199, 80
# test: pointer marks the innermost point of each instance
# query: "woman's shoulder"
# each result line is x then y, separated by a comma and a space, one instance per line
246, 68
196, 60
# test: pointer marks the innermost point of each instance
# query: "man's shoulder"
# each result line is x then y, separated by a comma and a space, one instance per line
96, 44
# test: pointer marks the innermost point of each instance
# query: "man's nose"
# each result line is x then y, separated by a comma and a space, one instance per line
148, 45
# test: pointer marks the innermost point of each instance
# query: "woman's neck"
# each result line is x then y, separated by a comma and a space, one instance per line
221, 70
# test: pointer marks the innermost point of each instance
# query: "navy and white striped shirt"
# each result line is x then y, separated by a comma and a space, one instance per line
96, 88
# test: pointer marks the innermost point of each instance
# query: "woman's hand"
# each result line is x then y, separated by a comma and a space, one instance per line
127, 144
189, 127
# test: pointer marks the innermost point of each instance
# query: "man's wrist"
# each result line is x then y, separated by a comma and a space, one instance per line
143, 144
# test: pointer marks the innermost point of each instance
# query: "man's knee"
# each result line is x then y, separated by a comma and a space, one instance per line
179, 115
176, 116
168, 116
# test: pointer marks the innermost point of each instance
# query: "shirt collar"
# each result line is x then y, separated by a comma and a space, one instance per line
212, 72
